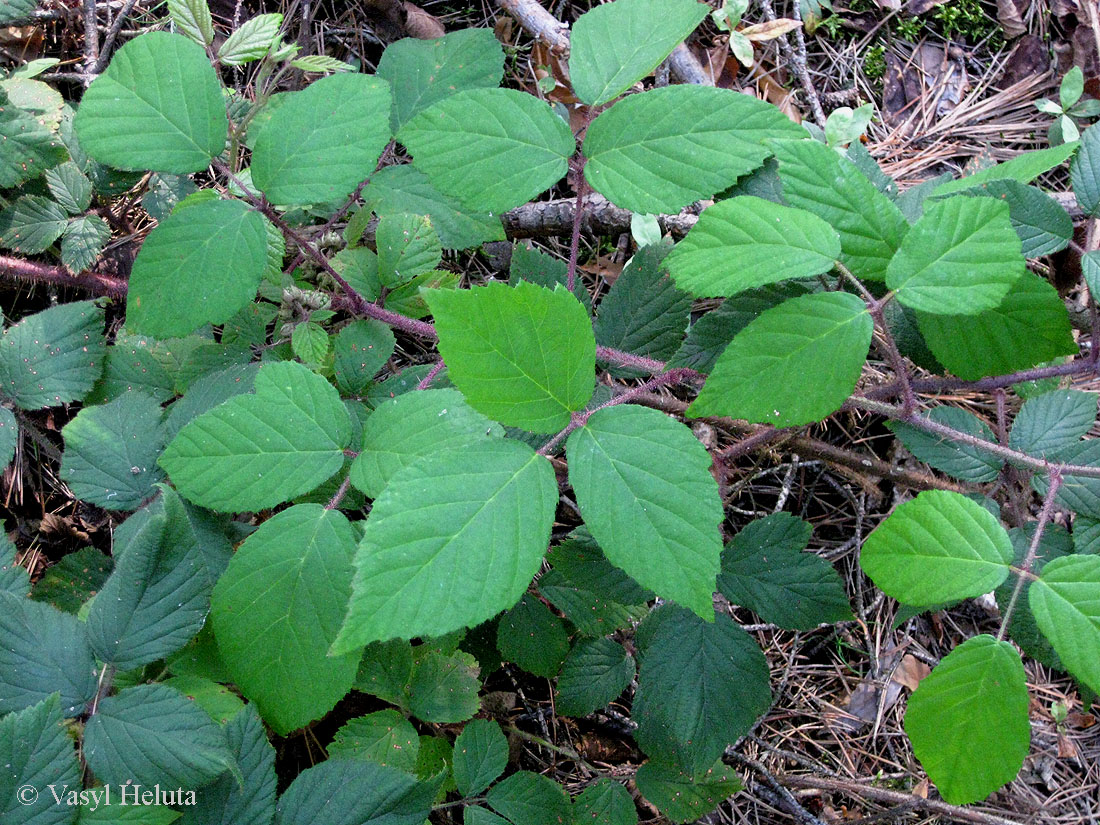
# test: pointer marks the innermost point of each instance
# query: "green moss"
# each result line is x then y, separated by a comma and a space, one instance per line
874, 62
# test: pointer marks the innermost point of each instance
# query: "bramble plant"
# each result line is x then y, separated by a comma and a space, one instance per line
458, 563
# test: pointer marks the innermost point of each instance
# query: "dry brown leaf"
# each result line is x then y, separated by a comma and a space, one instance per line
1010, 14
910, 671
921, 789
1080, 720
771, 29
916, 7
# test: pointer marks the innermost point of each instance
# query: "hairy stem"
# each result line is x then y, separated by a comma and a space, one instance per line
1054, 478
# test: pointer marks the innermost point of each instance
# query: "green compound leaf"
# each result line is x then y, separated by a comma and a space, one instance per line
961, 258
533, 638
956, 459
198, 266
361, 349
423, 72
660, 150
1053, 421
251, 40
531, 799
595, 673
70, 187
157, 597
683, 797
111, 452
615, 45
259, 450
701, 686
1066, 604
277, 609
819, 180
1085, 172
493, 149
346, 791
406, 189
407, 246
323, 140
765, 569
1042, 225
44, 651
968, 720
31, 224
604, 803
453, 539
411, 426
480, 756
82, 242
523, 355
746, 242
152, 734
644, 489
1080, 494
27, 147
937, 548
157, 106
52, 357
37, 752
224, 802
795, 364
385, 737
1028, 327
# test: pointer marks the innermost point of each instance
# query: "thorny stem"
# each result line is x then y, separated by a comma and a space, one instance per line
569, 753
581, 185
426, 381
338, 496
1054, 478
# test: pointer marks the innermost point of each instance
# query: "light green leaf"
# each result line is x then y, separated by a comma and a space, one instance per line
192, 19
217, 700
700, 687
406, 189
937, 548
765, 569
523, 355
27, 147
1085, 172
323, 140
37, 753
960, 258
493, 149
157, 106
480, 756
818, 180
385, 737
660, 150
443, 688
52, 357
1042, 225
468, 520
44, 651
224, 802
251, 40
413, 425
1052, 421
277, 609
532, 264
644, 489
533, 638
957, 459
70, 187
423, 72
198, 266
152, 734
31, 224
310, 343
82, 242
968, 720
9, 436
111, 452
1023, 168
615, 45
604, 803
1066, 606
259, 450
208, 392
361, 349
531, 799
321, 64
683, 797
745, 242
345, 791
407, 246
16, 11
594, 674
1028, 327
795, 364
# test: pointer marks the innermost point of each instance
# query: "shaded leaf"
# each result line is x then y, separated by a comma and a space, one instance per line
480, 756
962, 461
595, 672
533, 638
37, 753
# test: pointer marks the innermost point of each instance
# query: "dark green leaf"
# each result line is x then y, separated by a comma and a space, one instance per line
354, 792
9, 436
72, 581
480, 756
1085, 172
604, 803
83, 241
682, 797
594, 674
1053, 421
954, 458
444, 687
385, 737
14, 578
31, 224
37, 754
208, 392
1077, 493
530, 263
361, 348
70, 187
532, 637
408, 246
27, 147
530, 799
1043, 225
